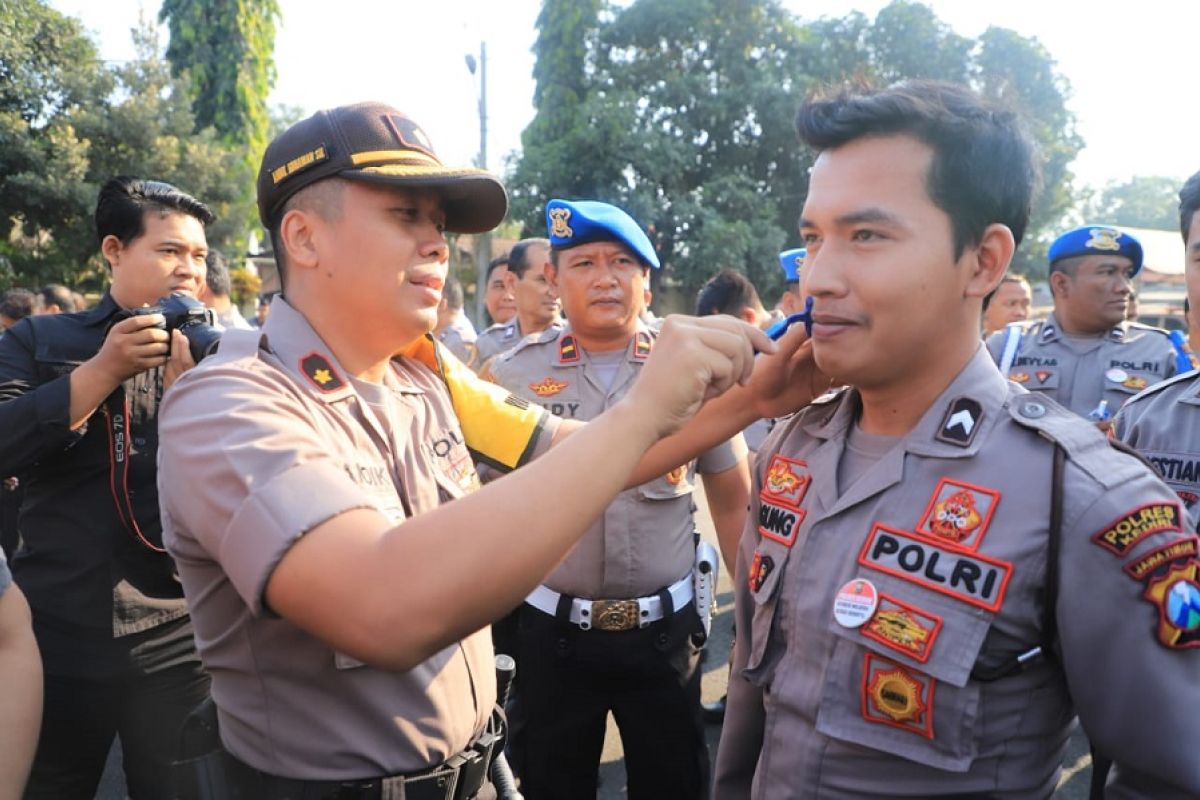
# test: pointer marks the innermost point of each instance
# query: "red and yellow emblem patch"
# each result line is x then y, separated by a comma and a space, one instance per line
1135, 382
1124, 533
1019, 377
959, 512
903, 628
642, 344
786, 481
548, 387
1042, 375
760, 569
568, 351
895, 696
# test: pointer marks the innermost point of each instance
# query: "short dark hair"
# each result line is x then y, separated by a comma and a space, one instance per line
17, 304
518, 257
217, 273
1189, 204
124, 202
727, 292
494, 264
55, 294
983, 168
1009, 277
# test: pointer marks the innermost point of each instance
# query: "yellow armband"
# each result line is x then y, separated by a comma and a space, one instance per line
499, 427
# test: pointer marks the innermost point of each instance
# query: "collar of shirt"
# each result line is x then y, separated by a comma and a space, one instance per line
1051, 331
572, 354
979, 381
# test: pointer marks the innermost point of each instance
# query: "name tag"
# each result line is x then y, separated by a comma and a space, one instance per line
968, 577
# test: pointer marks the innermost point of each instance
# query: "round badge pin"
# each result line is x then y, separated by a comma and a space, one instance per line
855, 603
1116, 375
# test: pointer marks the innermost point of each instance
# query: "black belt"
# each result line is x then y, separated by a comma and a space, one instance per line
458, 778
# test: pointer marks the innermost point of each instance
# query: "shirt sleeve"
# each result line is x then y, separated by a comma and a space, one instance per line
501, 430
34, 417
724, 456
243, 472
1128, 616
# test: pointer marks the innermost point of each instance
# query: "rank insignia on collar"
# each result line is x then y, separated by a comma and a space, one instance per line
641, 346
321, 372
1177, 596
558, 223
903, 628
1117, 334
1019, 377
959, 513
893, 695
961, 422
568, 351
548, 387
1047, 333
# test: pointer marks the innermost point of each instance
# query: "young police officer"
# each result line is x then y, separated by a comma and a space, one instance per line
942, 568
340, 598
78, 410
577, 659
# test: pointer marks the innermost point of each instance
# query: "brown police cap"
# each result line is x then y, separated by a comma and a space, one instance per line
376, 143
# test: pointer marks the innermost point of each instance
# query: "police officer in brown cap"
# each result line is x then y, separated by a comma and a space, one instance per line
941, 568
340, 599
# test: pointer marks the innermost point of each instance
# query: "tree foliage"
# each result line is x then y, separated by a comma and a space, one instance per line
68, 123
1140, 202
680, 111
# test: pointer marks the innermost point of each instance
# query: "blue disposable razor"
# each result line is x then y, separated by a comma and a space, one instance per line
776, 331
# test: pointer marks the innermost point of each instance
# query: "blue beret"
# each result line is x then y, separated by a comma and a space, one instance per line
570, 224
1097, 240
792, 261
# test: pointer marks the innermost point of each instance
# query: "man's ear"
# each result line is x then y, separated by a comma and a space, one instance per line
298, 237
1060, 283
989, 260
747, 315
551, 273
111, 248
510, 281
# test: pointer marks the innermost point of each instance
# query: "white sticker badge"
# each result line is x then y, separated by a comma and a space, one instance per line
855, 603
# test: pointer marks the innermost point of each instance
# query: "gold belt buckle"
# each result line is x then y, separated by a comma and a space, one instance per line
615, 615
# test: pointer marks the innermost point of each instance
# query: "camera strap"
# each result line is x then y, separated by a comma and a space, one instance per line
116, 413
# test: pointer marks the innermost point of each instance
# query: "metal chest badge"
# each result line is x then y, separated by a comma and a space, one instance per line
855, 603
548, 387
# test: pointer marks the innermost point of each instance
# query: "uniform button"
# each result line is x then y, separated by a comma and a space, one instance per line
1032, 409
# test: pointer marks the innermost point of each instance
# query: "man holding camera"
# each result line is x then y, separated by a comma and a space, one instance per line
79, 398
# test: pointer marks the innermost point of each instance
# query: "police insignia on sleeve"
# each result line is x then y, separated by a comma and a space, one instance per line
1146, 565
895, 696
903, 628
548, 387
1176, 594
959, 513
1123, 533
321, 373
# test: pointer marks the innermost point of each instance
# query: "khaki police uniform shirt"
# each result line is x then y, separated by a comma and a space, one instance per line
454, 341
644, 541
263, 442
500, 338
951, 528
1163, 424
1112, 367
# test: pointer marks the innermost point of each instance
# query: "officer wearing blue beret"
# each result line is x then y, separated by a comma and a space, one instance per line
1086, 355
616, 627
791, 261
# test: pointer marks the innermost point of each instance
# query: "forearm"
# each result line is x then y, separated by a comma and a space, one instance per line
717, 421
89, 387
21, 696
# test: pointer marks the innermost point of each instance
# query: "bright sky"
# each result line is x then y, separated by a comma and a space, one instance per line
1132, 71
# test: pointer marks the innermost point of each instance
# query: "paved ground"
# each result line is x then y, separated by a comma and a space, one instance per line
1076, 768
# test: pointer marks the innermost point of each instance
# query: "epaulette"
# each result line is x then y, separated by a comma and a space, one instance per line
1155, 329
1085, 446
547, 336
1153, 389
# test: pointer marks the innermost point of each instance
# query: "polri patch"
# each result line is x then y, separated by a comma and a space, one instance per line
779, 523
786, 481
568, 351
903, 628
959, 513
321, 373
896, 696
963, 575
1123, 533
961, 422
1177, 597
1150, 563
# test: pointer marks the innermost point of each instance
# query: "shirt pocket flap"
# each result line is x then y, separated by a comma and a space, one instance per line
764, 577
1035, 378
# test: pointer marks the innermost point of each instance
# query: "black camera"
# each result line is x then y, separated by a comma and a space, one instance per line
190, 317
